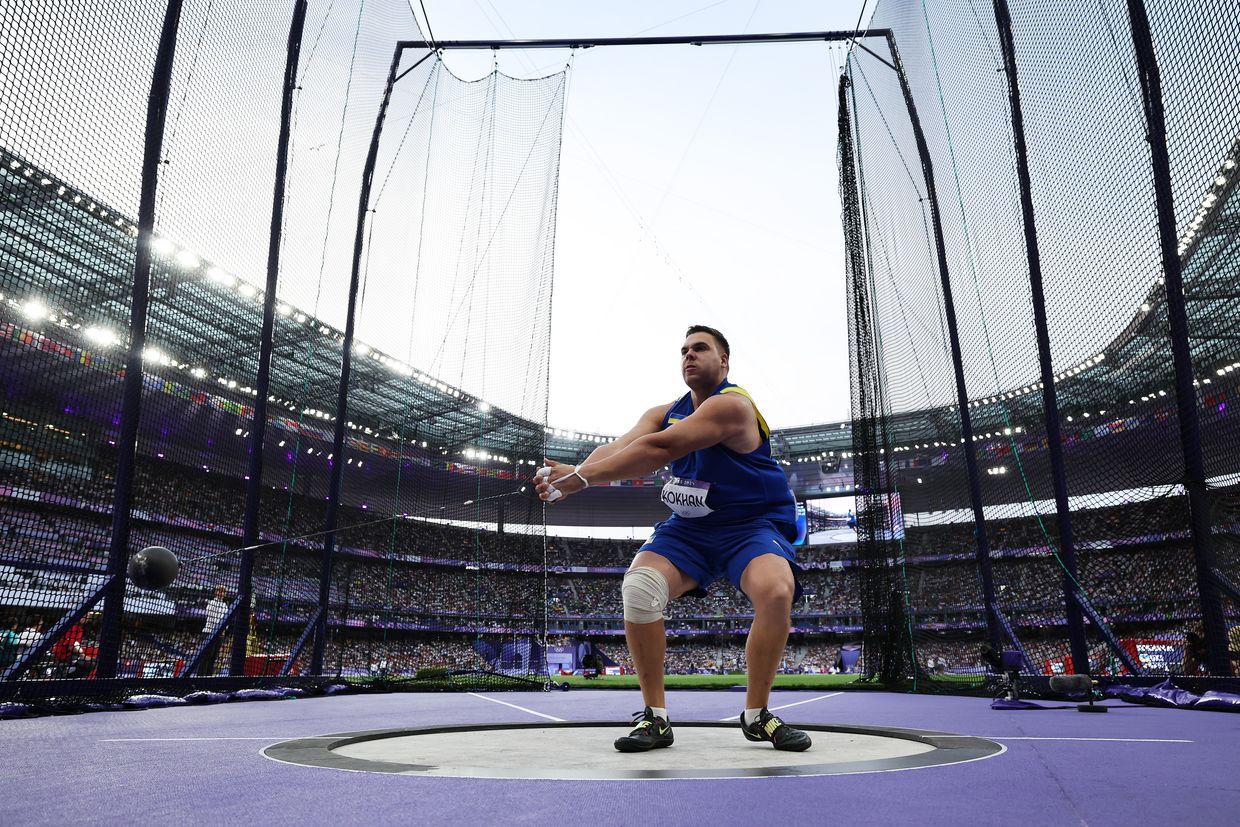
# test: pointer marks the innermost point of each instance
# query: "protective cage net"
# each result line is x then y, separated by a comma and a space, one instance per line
430, 570
922, 554
458, 266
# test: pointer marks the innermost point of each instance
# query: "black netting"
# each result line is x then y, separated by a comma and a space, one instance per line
1132, 566
417, 579
1203, 127
390, 536
457, 281
71, 181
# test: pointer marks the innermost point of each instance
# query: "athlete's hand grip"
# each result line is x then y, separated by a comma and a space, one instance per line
553, 492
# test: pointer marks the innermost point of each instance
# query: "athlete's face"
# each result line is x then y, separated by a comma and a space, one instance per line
702, 363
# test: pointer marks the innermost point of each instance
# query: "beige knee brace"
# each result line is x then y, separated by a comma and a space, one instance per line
645, 593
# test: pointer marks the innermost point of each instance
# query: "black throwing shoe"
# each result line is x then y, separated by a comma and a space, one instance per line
649, 732
771, 729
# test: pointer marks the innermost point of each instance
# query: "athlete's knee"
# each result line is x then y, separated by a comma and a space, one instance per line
645, 593
773, 592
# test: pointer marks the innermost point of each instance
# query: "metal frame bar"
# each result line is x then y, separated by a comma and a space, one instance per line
262, 383
1227, 586
1130, 663
673, 40
319, 618
131, 404
1050, 403
32, 655
191, 665
1213, 619
1006, 625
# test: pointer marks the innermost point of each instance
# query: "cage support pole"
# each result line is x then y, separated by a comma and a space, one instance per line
1050, 403
1213, 619
262, 383
131, 395
346, 364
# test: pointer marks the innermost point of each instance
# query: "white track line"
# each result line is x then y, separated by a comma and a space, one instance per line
788, 706
514, 706
810, 700
212, 738
1125, 740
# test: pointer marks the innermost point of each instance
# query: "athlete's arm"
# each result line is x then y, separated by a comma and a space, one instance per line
719, 419
651, 422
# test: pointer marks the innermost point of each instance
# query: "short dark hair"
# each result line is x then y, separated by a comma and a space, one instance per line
719, 337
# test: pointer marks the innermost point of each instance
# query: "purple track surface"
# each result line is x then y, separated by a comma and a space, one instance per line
96, 769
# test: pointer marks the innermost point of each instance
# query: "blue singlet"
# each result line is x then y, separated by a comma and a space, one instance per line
728, 507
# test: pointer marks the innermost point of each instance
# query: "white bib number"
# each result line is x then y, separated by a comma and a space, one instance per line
686, 497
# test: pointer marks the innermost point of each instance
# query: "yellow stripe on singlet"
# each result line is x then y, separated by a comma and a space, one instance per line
766, 431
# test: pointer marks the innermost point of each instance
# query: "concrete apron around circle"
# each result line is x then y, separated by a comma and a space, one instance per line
583, 750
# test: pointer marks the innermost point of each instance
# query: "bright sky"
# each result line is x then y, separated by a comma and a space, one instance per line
697, 185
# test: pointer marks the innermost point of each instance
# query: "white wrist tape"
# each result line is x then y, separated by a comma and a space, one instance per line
555, 493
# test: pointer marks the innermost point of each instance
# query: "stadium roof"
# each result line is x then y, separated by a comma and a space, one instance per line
1135, 366
67, 261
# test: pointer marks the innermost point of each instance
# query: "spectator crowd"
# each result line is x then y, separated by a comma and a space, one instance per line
418, 586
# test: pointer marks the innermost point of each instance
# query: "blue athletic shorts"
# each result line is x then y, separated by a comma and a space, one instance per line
707, 552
